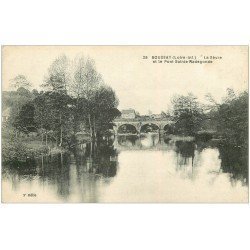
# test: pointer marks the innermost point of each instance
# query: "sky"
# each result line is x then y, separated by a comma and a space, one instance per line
139, 83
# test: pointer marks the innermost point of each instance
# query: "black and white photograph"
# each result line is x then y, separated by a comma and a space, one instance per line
125, 124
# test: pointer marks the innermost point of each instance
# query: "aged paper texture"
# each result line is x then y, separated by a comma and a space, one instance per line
124, 124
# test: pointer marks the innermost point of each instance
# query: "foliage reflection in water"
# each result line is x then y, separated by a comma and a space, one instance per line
132, 169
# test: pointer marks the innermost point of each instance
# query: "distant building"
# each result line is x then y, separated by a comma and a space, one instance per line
5, 115
128, 114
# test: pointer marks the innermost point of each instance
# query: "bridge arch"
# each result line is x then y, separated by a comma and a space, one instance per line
149, 127
127, 128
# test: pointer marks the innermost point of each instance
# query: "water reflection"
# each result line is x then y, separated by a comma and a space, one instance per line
96, 159
145, 168
147, 140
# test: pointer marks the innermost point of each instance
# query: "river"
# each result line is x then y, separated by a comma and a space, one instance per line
128, 169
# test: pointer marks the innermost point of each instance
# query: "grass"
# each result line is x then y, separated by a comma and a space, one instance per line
20, 149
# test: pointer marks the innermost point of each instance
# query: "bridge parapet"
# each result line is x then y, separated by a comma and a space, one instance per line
141, 119
139, 122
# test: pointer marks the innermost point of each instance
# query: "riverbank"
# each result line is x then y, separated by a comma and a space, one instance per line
179, 137
19, 150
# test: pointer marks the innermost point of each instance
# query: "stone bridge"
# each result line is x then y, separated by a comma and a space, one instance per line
163, 124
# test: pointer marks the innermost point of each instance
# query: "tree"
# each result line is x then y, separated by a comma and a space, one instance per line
42, 114
163, 114
58, 76
86, 79
104, 108
34, 92
20, 81
56, 100
187, 114
16, 100
24, 121
230, 96
231, 119
77, 84
53, 115
85, 84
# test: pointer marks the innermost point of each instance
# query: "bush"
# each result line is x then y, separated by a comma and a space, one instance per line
16, 151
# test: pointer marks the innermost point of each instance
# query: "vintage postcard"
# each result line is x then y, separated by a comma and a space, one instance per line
124, 124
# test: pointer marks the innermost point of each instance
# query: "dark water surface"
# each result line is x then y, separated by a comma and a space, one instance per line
131, 169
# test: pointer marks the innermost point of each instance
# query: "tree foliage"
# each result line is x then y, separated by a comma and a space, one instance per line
75, 99
58, 75
15, 100
24, 121
187, 113
20, 81
231, 117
